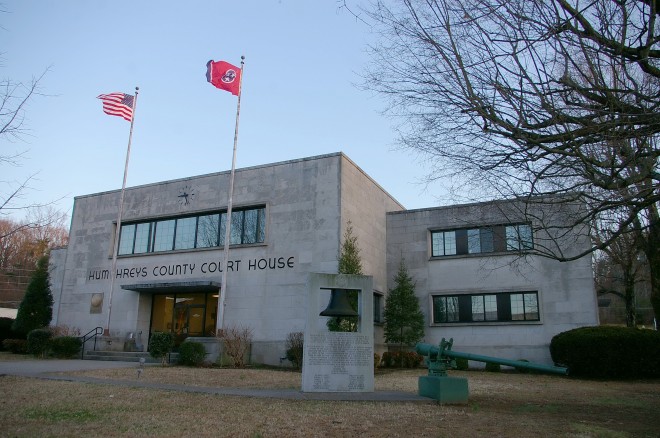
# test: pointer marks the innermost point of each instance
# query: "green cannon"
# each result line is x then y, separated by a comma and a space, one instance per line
439, 386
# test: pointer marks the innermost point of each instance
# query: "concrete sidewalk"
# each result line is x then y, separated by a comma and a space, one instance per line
48, 369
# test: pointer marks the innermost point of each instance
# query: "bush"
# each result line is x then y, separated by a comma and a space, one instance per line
401, 359
65, 346
160, 345
192, 353
493, 367
376, 361
16, 346
294, 348
608, 352
462, 364
236, 341
38, 342
5, 330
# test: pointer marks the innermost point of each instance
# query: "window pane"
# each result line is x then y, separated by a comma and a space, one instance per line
185, 233
164, 235
126, 239
452, 309
474, 241
478, 308
450, 242
490, 307
142, 235
207, 231
517, 307
250, 224
236, 228
437, 245
486, 239
445, 309
518, 237
531, 307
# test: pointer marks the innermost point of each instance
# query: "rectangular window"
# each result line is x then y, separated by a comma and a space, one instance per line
445, 309
142, 238
498, 238
164, 235
378, 308
185, 233
126, 239
502, 307
204, 231
519, 238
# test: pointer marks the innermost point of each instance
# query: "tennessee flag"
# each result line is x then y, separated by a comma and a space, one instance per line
224, 76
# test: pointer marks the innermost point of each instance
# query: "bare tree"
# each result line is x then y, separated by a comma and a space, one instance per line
547, 101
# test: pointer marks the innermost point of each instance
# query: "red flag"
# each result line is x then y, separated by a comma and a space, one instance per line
224, 76
118, 104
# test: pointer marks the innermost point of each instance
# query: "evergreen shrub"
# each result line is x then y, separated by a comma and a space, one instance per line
160, 345
5, 330
16, 346
192, 353
38, 342
65, 346
608, 352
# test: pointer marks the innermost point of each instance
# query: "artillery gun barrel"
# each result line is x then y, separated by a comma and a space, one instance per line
432, 350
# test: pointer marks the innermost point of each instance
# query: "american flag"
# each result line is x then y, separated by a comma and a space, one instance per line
118, 104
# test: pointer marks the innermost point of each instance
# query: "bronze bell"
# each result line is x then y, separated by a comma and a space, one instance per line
339, 304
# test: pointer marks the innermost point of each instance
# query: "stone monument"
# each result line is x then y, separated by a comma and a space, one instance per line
338, 361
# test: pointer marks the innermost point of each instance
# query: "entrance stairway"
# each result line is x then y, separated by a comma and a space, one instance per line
127, 356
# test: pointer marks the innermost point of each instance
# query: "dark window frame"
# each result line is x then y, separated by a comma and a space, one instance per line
492, 239
258, 234
464, 313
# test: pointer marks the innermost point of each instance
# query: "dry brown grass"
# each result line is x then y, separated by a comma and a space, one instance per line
501, 404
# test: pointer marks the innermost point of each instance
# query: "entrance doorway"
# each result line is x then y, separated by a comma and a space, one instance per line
184, 314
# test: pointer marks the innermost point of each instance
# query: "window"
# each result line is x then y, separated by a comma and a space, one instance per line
497, 238
502, 307
204, 231
378, 308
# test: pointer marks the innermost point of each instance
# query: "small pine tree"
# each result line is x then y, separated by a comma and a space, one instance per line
404, 321
36, 309
349, 263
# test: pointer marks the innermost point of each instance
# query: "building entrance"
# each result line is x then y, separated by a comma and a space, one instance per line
184, 314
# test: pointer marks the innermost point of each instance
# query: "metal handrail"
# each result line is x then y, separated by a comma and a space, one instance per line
93, 333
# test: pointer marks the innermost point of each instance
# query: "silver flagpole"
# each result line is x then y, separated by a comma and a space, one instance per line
220, 320
113, 273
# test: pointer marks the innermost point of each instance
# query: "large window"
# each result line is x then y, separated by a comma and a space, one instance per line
504, 306
248, 226
497, 238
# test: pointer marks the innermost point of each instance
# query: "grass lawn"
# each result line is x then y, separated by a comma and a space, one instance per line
500, 405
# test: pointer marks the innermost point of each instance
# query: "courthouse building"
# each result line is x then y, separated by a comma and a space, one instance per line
288, 220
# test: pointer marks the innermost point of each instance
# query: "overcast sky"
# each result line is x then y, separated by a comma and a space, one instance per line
300, 99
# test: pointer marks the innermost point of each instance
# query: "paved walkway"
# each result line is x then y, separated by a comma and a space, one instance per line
48, 369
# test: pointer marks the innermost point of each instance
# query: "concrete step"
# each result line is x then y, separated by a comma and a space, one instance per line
126, 356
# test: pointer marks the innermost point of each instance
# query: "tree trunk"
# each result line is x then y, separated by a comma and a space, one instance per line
629, 296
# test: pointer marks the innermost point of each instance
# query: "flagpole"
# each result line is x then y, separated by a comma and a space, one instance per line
220, 320
113, 272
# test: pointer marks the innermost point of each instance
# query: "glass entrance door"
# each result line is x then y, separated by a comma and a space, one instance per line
184, 314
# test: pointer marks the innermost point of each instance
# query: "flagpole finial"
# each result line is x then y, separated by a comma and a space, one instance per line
242, 58
137, 89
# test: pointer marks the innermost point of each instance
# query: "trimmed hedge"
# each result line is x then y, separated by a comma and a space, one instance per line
38, 342
608, 352
16, 346
5, 330
401, 359
192, 353
160, 345
65, 346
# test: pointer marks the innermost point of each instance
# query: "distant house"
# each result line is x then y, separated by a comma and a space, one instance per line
288, 221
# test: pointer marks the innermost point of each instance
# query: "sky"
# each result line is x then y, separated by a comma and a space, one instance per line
300, 98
